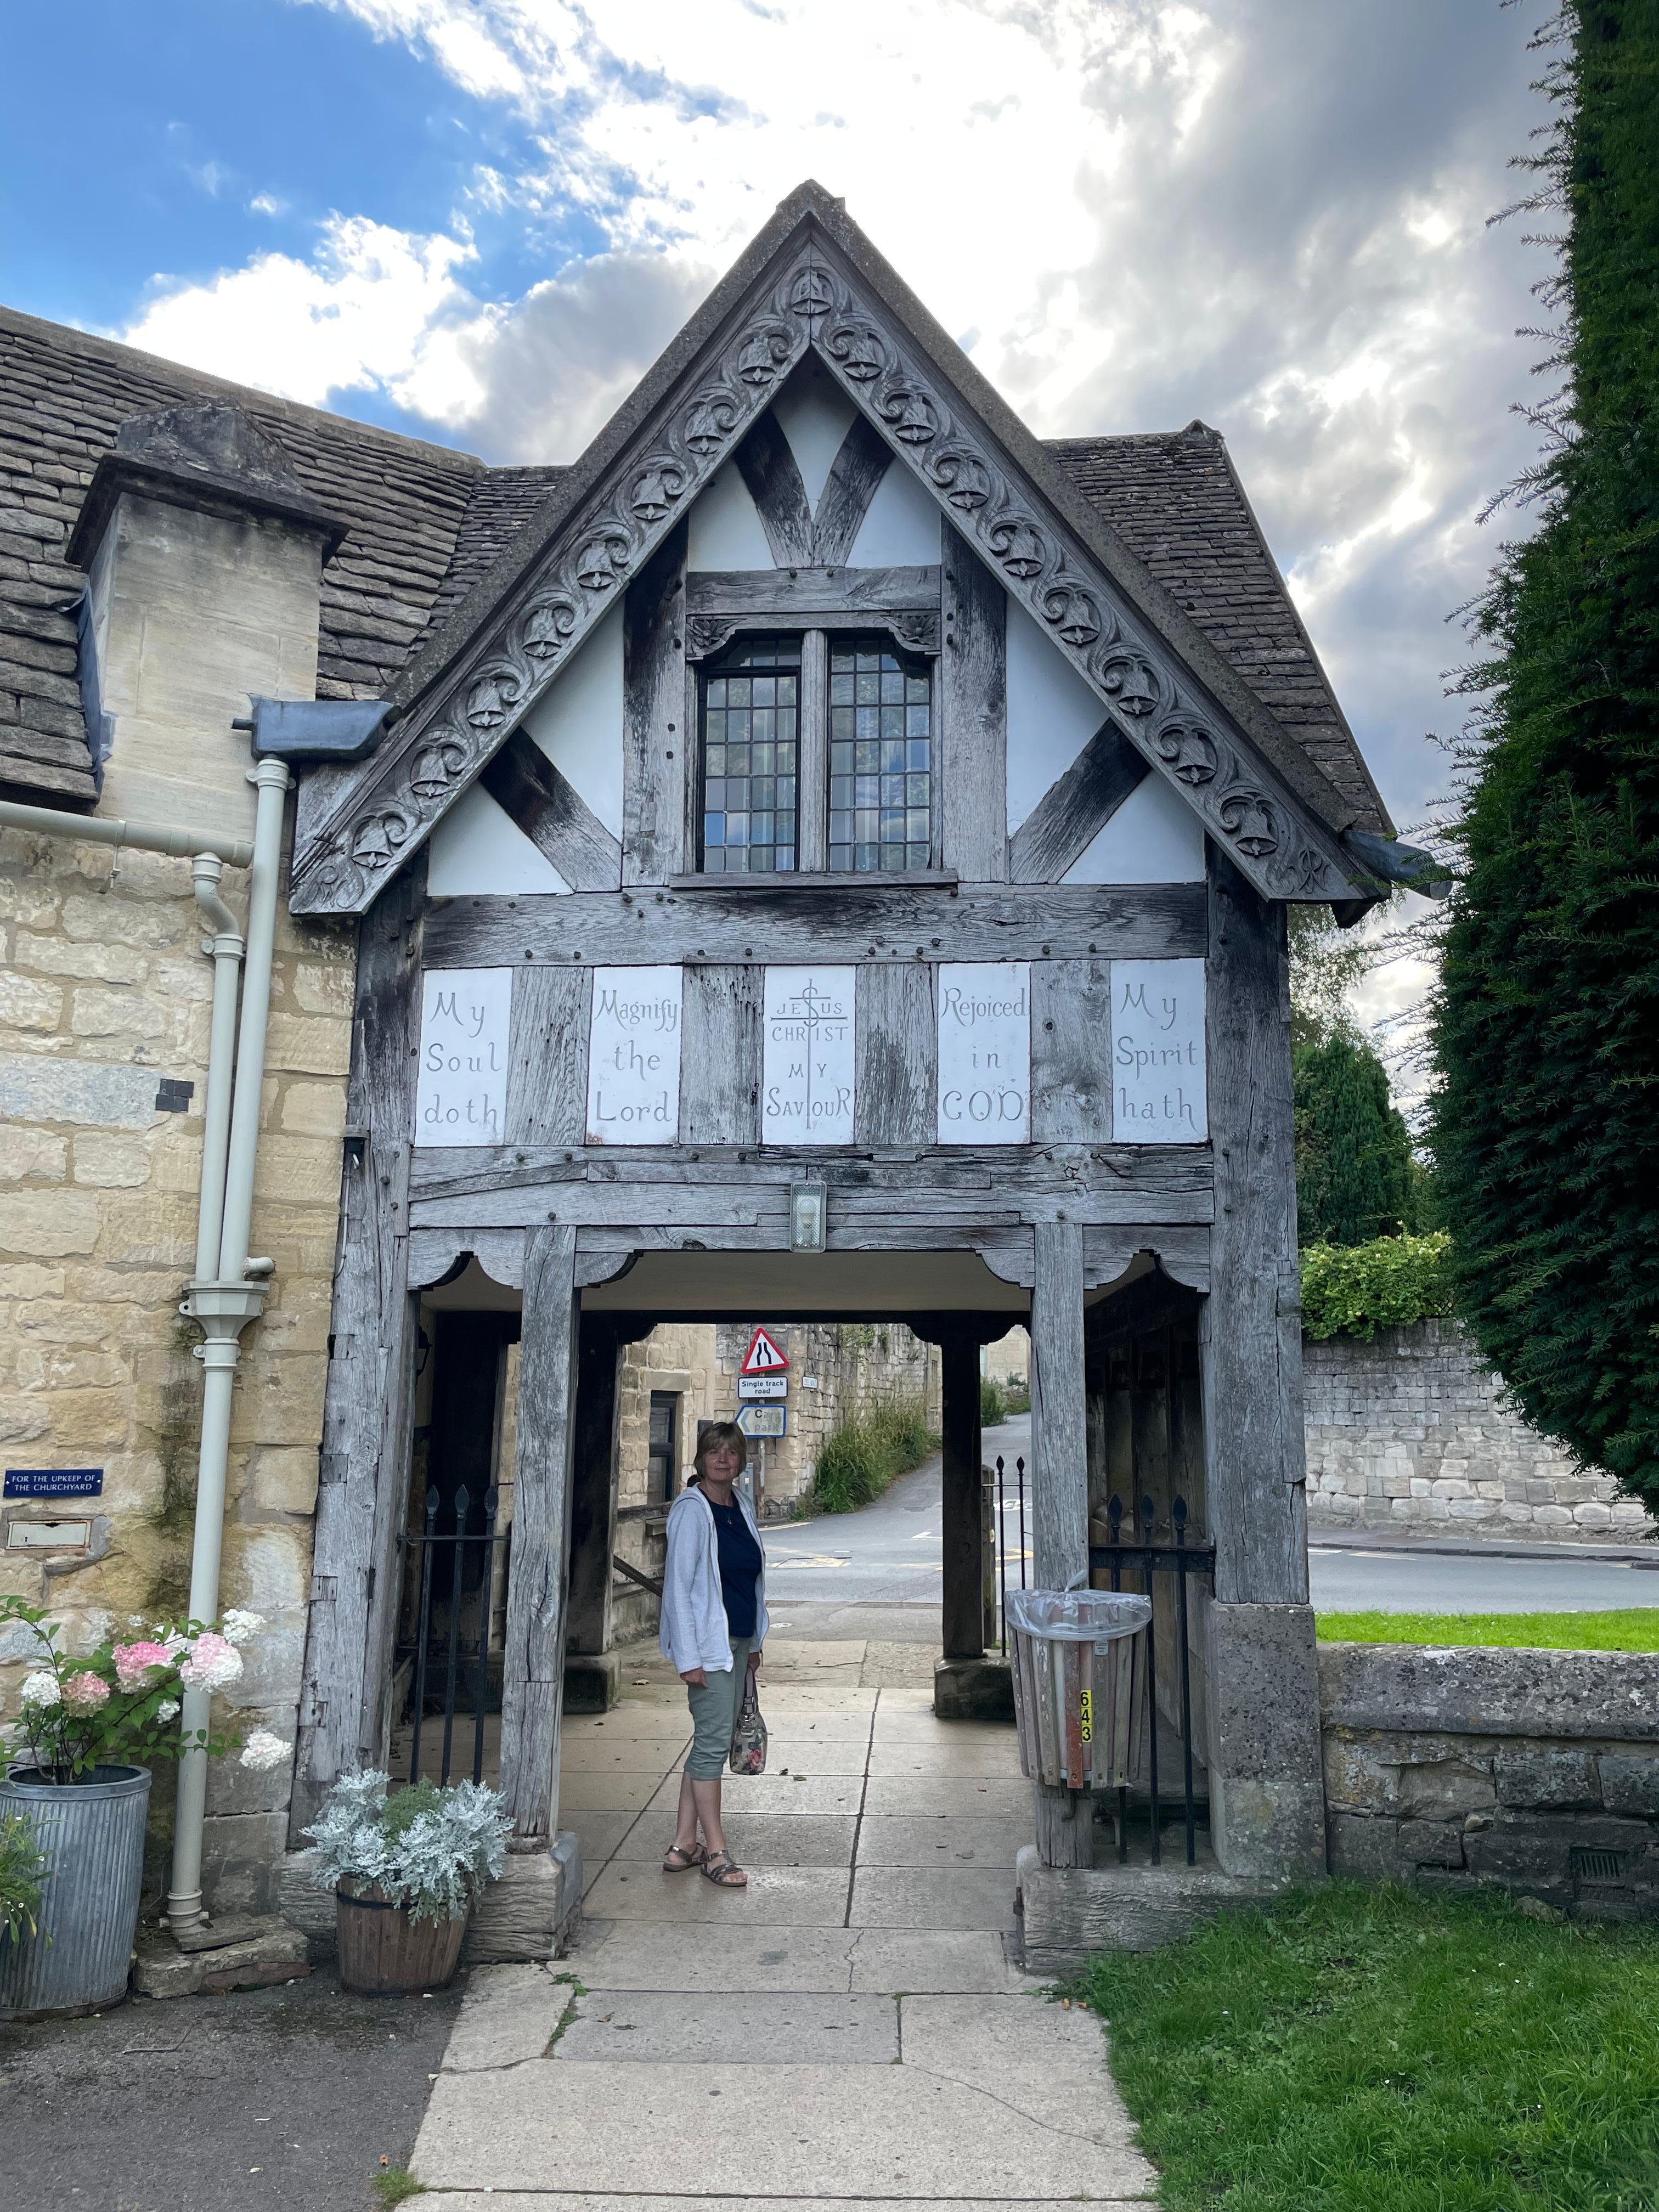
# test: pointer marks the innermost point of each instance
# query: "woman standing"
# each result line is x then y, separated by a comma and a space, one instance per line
713, 1624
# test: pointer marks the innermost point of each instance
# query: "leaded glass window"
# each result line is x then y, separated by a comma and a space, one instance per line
881, 757
751, 742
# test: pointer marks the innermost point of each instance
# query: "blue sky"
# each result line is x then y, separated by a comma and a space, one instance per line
478, 221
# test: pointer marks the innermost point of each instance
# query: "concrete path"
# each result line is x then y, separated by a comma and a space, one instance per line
850, 2029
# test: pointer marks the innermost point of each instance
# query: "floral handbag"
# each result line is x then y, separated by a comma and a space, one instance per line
748, 1752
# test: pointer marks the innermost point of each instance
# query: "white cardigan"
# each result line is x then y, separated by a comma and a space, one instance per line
694, 1631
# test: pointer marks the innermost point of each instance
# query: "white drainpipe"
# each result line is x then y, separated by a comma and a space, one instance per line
223, 1303
229, 1288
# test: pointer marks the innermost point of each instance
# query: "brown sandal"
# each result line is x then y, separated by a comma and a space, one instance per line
688, 1859
719, 1870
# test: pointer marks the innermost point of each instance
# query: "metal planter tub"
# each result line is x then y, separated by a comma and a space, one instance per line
91, 1834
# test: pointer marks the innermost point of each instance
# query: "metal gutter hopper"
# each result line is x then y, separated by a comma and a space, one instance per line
315, 729
1395, 863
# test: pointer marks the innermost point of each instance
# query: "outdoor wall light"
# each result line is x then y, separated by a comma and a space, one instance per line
808, 1208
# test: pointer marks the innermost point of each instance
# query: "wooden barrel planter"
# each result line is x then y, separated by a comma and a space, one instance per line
384, 1953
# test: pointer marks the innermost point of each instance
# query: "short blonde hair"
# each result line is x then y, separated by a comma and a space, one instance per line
720, 1432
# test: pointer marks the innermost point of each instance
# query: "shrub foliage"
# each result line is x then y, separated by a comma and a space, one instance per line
1354, 1290
1546, 1127
862, 1455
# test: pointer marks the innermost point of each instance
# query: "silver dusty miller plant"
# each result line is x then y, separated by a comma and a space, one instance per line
428, 1849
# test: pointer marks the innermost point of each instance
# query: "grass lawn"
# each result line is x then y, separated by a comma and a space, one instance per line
1353, 2050
1634, 1629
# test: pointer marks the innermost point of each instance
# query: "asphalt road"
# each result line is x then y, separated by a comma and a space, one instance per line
888, 1556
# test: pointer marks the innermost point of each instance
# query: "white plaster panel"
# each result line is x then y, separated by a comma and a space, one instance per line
901, 527
634, 1056
807, 1056
984, 1052
1052, 715
1158, 1052
1154, 837
478, 850
725, 530
460, 1090
578, 722
815, 417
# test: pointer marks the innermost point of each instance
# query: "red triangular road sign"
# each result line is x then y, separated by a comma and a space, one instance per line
762, 1357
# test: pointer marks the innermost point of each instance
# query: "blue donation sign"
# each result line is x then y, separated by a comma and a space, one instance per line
54, 1481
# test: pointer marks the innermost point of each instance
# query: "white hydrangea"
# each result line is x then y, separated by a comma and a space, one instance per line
40, 1690
240, 1626
263, 1751
168, 1709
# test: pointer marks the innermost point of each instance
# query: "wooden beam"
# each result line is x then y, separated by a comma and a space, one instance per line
539, 800
720, 1057
800, 923
812, 755
897, 1055
854, 1214
1071, 814
962, 1534
1072, 1051
973, 715
767, 464
858, 468
547, 1056
362, 1487
801, 596
1059, 1486
593, 1482
533, 1680
1251, 1336
656, 750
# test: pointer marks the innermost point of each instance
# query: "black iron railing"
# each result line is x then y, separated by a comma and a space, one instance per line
1151, 1558
465, 1548
1002, 1541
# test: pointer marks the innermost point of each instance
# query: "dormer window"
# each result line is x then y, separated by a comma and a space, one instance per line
817, 754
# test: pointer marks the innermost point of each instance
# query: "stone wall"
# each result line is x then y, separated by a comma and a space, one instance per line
1535, 1771
104, 1000
1411, 1433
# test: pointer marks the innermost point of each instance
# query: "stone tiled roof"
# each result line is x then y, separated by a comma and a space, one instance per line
1175, 499
424, 524
62, 397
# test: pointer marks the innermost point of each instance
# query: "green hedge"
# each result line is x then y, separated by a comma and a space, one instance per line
1354, 1290
861, 1457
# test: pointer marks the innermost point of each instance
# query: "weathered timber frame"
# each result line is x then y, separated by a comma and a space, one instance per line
812, 283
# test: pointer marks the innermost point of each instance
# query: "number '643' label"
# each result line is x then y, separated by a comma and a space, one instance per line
1085, 1713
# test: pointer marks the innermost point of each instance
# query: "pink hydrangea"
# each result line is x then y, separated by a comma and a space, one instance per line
134, 1660
85, 1691
213, 1664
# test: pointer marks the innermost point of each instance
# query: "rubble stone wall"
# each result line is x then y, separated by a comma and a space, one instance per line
1534, 1771
1411, 1432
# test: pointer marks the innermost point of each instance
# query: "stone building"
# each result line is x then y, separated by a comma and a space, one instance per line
820, 855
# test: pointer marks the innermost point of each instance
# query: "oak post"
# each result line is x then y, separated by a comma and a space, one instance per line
963, 1625
593, 1482
1059, 1486
533, 1665
363, 1459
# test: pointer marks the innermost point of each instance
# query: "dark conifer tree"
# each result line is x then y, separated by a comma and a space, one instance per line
1546, 1129
1354, 1176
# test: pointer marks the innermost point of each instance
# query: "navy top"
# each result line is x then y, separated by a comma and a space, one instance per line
740, 1567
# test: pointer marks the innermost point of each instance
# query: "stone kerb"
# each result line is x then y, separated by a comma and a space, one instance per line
1537, 1771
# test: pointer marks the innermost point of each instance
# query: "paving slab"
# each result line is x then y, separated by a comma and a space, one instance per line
637, 1954
780, 1897
919, 1724
943, 1839
1026, 2051
806, 1722
668, 1719
508, 2015
771, 1793
585, 1792
747, 2028
786, 1840
792, 1753
996, 1760
1008, 1798
600, 1834
842, 2130
934, 1897
622, 1754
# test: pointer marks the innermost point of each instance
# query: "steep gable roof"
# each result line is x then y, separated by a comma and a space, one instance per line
812, 283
